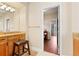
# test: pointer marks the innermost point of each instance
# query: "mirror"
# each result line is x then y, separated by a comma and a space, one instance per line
6, 17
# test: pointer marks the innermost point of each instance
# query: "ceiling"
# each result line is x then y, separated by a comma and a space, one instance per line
16, 5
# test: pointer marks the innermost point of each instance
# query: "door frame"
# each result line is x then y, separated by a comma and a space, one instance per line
57, 26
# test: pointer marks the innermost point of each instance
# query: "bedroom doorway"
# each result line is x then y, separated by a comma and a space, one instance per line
51, 30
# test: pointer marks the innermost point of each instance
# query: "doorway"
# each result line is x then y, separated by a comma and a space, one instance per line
51, 30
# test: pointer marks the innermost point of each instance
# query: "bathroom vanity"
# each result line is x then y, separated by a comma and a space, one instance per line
6, 42
76, 44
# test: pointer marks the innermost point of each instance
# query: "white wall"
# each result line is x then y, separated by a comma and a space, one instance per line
66, 41
36, 23
36, 26
23, 20
75, 17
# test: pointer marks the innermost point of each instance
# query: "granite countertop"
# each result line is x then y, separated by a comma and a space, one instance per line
2, 34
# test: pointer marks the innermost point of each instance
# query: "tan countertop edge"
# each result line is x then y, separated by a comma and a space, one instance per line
76, 35
10, 34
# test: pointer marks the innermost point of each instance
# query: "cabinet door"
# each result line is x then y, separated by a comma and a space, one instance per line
11, 40
22, 36
3, 48
76, 47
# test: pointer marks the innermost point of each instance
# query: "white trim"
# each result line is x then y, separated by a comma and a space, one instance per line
43, 22
60, 18
42, 29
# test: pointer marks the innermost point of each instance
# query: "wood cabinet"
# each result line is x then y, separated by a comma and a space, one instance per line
3, 48
6, 44
76, 47
22, 37
11, 40
76, 44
